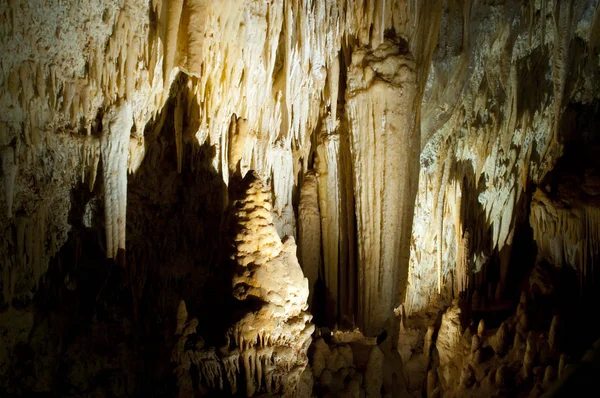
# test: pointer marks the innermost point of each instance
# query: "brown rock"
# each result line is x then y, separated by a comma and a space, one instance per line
467, 376
481, 328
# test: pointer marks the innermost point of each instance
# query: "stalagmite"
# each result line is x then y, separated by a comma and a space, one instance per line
501, 376
114, 147
517, 341
428, 341
450, 332
549, 377
501, 339
272, 336
481, 327
562, 362
467, 376
529, 358
385, 147
543, 350
309, 232
476, 349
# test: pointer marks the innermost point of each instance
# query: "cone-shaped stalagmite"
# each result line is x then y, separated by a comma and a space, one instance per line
267, 346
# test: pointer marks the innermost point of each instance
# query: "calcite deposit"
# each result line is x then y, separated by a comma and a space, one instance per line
187, 187
266, 350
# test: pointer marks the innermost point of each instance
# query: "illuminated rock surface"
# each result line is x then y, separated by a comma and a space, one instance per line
266, 349
436, 162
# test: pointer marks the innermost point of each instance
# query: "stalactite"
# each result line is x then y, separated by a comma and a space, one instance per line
439, 212
116, 125
563, 21
566, 232
172, 14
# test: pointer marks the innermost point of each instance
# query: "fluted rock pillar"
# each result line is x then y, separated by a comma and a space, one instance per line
385, 154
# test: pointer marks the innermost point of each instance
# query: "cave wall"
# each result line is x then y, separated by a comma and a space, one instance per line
515, 69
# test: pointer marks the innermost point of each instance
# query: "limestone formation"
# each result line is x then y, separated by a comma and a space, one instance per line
501, 377
431, 382
374, 373
309, 232
428, 341
529, 358
450, 333
481, 328
114, 148
549, 377
467, 376
408, 146
381, 92
475, 350
501, 339
562, 363
266, 349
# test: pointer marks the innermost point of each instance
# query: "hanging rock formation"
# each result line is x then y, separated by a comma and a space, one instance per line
566, 225
116, 126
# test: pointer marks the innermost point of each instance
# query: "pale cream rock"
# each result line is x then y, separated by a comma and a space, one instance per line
309, 232
450, 333
384, 147
319, 358
114, 147
529, 358
501, 376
